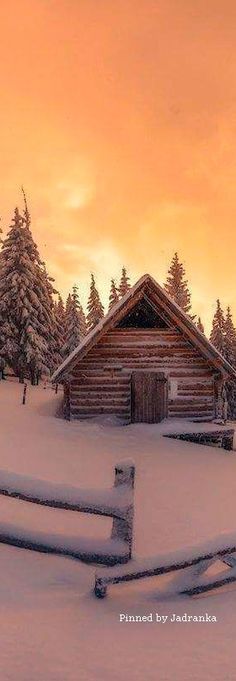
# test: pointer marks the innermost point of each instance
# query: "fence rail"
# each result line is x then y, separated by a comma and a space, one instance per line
117, 503
193, 564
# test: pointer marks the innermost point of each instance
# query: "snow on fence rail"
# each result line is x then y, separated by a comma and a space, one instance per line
117, 503
193, 562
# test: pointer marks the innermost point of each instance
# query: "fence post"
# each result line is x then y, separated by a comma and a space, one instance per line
24, 393
122, 528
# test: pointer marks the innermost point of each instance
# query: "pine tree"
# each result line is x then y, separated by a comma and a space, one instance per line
217, 336
94, 307
114, 296
72, 335
124, 283
68, 307
59, 311
229, 339
75, 322
82, 318
177, 286
52, 355
60, 320
200, 326
25, 302
230, 355
53, 352
47, 290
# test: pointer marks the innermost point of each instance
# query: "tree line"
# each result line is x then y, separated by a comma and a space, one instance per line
38, 329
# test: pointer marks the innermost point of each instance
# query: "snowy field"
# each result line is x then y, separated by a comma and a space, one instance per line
52, 627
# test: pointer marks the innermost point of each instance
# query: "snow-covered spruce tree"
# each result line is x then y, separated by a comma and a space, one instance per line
54, 347
60, 314
94, 307
199, 325
177, 286
114, 296
47, 289
82, 318
72, 335
230, 355
217, 336
59, 317
25, 304
230, 338
124, 283
75, 323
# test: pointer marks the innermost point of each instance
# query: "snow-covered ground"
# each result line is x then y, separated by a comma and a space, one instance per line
52, 627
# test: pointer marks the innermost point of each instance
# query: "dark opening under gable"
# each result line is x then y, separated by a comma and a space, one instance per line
143, 316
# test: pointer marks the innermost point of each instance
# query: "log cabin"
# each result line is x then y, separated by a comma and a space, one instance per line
144, 362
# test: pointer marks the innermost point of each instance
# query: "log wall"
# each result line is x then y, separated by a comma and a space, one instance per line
101, 382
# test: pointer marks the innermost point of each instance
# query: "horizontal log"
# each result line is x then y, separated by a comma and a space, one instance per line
101, 377
179, 404
140, 343
146, 351
100, 410
149, 329
134, 334
154, 343
196, 393
183, 357
189, 373
206, 417
204, 386
99, 389
199, 385
197, 406
143, 361
105, 402
125, 419
191, 412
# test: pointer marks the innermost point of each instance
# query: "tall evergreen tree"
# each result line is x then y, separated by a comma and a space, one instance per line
114, 296
200, 326
68, 307
52, 354
124, 283
75, 322
94, 307
25, 302
59, 316
53, 351
177, 286
82, 318
217, 336
72, 335
230, 338
59, 311
230, 355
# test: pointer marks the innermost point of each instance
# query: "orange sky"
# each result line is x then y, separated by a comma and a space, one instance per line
119, 117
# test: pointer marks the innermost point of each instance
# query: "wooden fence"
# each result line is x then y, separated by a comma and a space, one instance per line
117, 503
193, 563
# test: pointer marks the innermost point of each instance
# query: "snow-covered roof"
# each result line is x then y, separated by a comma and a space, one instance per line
190, 329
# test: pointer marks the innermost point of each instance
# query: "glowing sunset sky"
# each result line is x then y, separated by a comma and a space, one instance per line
119, 117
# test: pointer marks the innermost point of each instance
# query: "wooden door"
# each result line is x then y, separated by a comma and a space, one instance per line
148, 397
